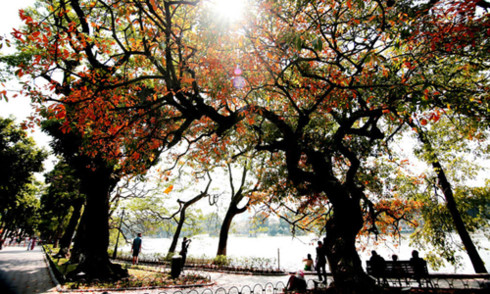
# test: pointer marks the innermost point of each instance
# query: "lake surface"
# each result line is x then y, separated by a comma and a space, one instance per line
287, 253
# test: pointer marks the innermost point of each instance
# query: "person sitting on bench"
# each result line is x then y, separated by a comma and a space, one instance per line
378, 265
418, 265
296, 282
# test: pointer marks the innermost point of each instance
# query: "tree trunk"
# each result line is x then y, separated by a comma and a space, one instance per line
343, 259
65, 241
58, 233
183, 207
225, 227
233, 209
478, 264
92, 238
176, 236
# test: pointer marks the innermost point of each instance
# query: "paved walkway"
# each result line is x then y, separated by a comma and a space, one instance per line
24, 272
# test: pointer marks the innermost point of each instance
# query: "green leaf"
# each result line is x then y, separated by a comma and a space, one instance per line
318, 44
298, 42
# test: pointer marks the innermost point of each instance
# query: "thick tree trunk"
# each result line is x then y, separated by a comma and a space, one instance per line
223, 233
92, 238
343, 259
65, 241
58, 233
225, 227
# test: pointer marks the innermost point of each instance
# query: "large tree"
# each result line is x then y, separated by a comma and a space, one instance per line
318, 83
62, 205
22, 217
97, 178
454, 88
20, 160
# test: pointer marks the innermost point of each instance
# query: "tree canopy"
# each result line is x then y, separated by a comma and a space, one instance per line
20, 158
320, 86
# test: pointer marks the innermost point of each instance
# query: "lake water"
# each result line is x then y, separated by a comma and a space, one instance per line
288, 253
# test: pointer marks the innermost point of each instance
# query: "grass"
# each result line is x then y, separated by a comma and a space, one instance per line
139, 277
142, 277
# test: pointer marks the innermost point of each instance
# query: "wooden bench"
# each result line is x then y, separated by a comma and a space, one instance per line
397, 271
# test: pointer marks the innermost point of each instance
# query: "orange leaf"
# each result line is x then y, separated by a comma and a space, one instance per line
169, 189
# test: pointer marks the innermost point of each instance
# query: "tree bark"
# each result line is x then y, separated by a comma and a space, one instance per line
233, 209
346, 220
92, 238
477, 262
180, 224
65, 241
183, 207
225, 227
343, 260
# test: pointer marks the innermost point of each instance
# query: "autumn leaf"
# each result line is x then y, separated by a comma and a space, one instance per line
169, 189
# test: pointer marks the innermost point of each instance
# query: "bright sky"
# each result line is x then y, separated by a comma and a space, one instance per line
19, 107
230, 9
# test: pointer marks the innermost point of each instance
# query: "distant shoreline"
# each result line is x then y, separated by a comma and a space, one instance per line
290, 252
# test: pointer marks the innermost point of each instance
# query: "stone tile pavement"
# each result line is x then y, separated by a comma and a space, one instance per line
27, 272
23, 271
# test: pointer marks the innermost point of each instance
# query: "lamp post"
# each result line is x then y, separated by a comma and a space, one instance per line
114, 254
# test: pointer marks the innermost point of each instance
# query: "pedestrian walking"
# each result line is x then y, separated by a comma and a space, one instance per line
33, 242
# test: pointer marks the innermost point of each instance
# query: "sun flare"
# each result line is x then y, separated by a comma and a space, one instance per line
231, 10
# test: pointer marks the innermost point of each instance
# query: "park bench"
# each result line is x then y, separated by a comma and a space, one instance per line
398, 271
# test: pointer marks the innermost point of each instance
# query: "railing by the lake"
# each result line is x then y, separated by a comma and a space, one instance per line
268, 288
207, 265
477, 282
438, 280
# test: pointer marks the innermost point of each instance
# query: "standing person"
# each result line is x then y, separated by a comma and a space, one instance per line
321, 262
136, 248
183, 250
33, 242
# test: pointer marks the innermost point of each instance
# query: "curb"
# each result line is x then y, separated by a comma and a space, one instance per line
60, 288
135, 288
51, 273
